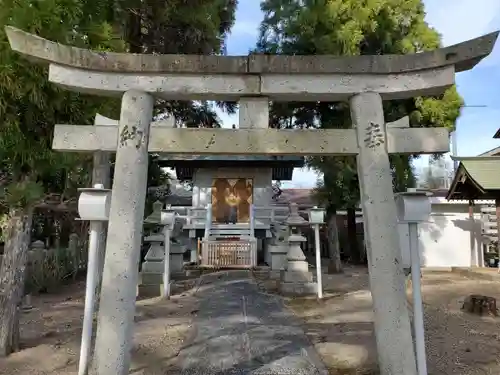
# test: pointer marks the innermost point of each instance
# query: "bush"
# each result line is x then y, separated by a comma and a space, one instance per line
48, 269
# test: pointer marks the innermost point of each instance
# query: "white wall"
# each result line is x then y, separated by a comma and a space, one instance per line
445, 240
262, 183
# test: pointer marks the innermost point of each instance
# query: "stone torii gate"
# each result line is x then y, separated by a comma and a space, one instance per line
363, 81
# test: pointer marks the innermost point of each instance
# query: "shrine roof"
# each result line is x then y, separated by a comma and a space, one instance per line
200, 161
476, 178
463, 56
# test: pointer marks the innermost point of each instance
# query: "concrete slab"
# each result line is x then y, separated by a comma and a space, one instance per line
239, 330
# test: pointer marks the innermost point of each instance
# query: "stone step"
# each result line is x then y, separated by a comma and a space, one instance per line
149, 290
150, 278
296, 277
230, 233
298, 289
157, 277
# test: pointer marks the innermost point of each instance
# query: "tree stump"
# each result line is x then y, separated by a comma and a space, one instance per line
479, 305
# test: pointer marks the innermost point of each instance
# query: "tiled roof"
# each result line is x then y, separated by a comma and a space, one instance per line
302, 197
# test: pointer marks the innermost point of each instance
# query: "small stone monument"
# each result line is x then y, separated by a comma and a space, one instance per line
151, 283
177, 251
296, 278
278, 248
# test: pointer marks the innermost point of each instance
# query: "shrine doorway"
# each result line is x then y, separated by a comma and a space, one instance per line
231, 200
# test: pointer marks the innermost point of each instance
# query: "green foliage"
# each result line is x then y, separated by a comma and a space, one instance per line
350, 28
30, 105
22, 193
197, 27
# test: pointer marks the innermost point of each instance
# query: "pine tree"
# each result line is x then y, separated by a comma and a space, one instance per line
350, 28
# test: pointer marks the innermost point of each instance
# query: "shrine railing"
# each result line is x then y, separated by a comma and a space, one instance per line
264, 214
229, 253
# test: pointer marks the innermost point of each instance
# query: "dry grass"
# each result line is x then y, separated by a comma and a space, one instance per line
341, 327
51, 334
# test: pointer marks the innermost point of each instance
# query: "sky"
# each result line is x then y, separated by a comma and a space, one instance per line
456, 21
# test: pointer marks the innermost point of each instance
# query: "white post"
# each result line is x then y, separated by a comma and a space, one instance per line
196, 197
318, 261
90, 285
101, 174
166, 270
418, 314
252, 221
208, 220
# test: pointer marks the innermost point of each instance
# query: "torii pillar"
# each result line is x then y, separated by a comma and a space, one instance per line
364, 81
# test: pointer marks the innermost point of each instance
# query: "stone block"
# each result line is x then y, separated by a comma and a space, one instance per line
297, 265
156, 252
177, 248
277, 256
275, 274
157, 237
296, 277
149, 290
298, 289
150, 278
178, 275
154, 267
176, 262
194, 272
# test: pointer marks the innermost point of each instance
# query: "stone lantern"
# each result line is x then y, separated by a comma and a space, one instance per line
277, 249
413, 208
151, 279
296, 278
173, 228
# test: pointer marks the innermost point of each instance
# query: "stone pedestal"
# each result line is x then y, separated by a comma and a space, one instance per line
276, 250
277, 256
296, 279
177, 251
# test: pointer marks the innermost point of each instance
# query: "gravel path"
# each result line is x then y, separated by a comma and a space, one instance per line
240, 330
457, 343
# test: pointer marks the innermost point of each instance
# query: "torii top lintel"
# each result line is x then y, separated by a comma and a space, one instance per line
463, 56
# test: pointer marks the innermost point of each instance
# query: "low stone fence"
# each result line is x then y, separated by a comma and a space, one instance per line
47, 269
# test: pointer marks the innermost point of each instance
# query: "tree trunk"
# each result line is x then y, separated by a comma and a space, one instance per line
12, 277
133, 29
334, 265
352, 237
479, 305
